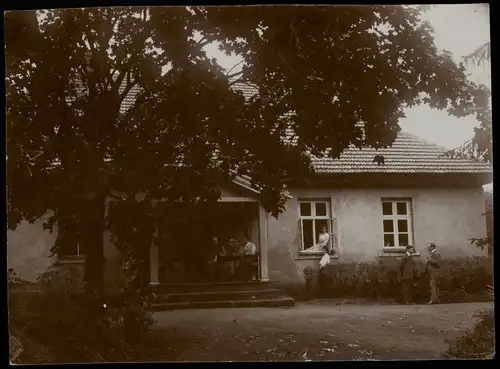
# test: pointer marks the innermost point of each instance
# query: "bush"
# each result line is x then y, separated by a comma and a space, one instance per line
308, 277
59, 323
477, 343
459, 280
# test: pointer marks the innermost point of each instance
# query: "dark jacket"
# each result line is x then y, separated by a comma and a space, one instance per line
408, 267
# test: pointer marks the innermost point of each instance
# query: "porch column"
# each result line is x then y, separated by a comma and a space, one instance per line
153, 260
263, 243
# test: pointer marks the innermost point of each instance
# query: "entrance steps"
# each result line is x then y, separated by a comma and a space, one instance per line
217, 295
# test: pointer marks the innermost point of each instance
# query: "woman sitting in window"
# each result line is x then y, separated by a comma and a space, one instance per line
323, 239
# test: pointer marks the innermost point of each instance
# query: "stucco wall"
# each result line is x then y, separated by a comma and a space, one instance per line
28, 249
448, 217
28, 253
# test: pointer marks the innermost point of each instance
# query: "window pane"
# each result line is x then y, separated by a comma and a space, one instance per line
387, 208
388, 240
403, 239
388, 226
67, 240
401, 208
321, 209
307, 233
305, 209
402, 225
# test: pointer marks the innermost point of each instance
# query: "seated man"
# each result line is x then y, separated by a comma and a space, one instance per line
249, 248
248, 266
234, 248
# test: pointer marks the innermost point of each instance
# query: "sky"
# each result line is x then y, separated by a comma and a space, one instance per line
460, 29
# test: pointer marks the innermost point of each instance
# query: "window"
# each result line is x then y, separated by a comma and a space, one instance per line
67, 244
315, 215
396, 215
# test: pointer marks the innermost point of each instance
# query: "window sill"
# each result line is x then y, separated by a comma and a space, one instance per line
76, 259
394, 249
391, 252
313, 256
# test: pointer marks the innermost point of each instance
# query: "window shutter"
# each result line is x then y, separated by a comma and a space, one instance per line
334, 234
331, 243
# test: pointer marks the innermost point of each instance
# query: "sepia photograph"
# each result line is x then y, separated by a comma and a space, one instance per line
249, 183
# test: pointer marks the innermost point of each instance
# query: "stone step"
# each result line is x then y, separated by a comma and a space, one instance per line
208, 287
216, 296
274, 302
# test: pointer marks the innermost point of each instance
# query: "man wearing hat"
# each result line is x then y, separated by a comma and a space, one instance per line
408, 272
432, 269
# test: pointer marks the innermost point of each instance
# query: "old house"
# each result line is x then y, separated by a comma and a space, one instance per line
371, 208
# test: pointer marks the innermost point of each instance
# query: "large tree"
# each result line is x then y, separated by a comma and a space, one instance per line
125, 101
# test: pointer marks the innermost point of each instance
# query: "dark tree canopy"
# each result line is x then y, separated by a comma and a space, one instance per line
320, 71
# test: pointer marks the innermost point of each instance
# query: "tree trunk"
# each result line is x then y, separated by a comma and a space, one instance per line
92, 243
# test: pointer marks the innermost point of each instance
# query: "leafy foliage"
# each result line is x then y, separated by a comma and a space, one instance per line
481, 55
486, 242
308, 277
57, 323
459, 280
482, 243
125, 99
477, 343
308, 274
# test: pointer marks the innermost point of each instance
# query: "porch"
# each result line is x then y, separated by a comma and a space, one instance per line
236, 220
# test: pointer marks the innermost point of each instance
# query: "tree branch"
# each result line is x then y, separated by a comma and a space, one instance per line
203, 42
234, 66
140, 40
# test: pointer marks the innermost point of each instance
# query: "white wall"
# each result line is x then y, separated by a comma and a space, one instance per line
448, 217
28, 249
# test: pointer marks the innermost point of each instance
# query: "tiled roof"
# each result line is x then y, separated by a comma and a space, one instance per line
408, 153
248, 90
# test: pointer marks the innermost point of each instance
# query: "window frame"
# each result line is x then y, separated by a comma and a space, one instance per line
70, 256
328, 218
395, 217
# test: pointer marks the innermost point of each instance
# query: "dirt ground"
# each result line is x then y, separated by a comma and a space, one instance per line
317, 331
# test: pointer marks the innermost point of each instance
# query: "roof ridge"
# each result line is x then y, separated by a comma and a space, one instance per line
423, 141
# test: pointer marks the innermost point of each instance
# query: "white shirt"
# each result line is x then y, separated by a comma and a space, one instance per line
323, 239
249, 248
325, 260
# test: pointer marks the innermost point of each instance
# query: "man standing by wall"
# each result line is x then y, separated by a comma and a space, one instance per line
432, 269
408, 274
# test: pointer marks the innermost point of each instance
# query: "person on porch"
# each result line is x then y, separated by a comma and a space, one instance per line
215, 251
249, 263
249, 248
